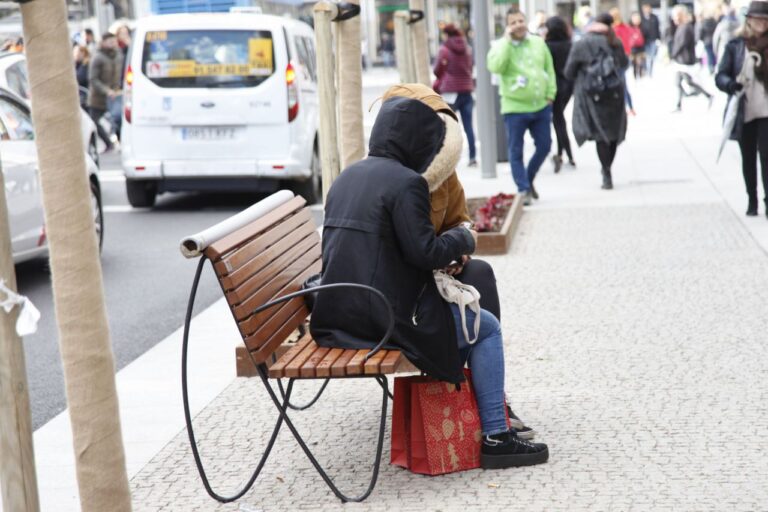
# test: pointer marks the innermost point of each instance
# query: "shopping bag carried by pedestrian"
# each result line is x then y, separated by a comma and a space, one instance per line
435, 426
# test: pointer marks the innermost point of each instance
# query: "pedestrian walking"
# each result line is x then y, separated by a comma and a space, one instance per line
683, 53
596, 65
637, 45
387, 49
558, 41
706, 28
104, 77
453, 69
743, 72
624, 33
527, 89
82, 63
651, 35
725, 31
407, 138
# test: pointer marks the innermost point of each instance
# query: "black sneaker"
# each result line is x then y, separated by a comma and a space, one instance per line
507, 450
534, 194
517, 424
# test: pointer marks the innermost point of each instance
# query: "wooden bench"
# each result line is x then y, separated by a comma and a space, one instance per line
257, 266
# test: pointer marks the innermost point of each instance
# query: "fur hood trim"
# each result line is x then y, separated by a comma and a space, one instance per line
444, 163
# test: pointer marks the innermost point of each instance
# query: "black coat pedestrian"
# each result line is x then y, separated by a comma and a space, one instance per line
560, 51
604, 120
377, 231
729, 68
649, 26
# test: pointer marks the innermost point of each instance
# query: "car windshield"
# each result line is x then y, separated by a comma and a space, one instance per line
208, 58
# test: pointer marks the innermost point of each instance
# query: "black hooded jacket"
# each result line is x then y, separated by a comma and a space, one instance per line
377, 232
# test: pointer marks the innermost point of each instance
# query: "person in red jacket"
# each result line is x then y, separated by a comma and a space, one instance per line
453, 69
625, 34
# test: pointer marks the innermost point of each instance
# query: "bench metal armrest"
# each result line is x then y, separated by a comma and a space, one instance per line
300, 293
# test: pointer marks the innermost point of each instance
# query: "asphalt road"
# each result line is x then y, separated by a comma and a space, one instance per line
146, 280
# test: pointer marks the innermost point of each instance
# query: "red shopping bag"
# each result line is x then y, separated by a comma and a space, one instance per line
435, 428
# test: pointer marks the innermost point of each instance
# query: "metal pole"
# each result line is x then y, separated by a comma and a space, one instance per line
418, 31
484, 92
324, 12
18, 481
664, 22
594, 6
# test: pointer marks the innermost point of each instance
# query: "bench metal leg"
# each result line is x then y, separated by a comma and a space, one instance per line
308, 404
282, 407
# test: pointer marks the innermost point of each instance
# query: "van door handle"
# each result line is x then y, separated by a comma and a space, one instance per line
207, 104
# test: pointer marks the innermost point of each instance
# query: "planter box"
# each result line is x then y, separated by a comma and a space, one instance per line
490, 243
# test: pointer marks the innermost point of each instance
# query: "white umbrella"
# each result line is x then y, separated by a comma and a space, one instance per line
731, 112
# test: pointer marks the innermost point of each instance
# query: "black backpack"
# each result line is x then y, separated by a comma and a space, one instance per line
602, 78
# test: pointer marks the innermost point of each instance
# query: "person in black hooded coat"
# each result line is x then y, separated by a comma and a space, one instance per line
378, 232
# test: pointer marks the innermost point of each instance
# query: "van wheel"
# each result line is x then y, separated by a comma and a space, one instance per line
311, 189
98, 213
141, 193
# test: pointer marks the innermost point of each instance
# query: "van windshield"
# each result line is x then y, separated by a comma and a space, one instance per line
208, 58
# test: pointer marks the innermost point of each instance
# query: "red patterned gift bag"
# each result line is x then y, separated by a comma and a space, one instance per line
435, 428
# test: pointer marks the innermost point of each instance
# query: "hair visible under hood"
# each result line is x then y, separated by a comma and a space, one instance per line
444, 162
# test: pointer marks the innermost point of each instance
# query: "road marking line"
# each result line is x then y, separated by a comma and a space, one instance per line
123, 208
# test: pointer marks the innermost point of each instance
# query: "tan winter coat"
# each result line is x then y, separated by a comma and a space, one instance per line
449, 206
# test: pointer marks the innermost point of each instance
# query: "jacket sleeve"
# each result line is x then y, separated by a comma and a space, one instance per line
441, 62
726, 74
499, 56
457, 204
416, 235
95, 72
549, 68
572, 64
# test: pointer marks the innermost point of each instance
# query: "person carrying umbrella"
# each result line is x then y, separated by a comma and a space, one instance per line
743, 74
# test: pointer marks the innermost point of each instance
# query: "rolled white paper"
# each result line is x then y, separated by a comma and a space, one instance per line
192, 246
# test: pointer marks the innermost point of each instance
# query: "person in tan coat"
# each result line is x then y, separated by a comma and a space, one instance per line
449, 209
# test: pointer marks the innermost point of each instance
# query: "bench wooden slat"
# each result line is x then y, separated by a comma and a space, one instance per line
390, 361
355, 365
302, 248
277, 369
215, 251
288, 281
309, 370
259, 332
250, 258
339, 368
324, 367
372, 366
263, 352
293, 369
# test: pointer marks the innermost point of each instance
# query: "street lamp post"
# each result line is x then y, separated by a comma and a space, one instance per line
484, 93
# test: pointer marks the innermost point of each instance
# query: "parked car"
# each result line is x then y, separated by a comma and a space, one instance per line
18, 157
223, 101
14, 77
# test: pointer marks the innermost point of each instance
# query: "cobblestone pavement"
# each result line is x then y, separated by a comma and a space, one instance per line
635, 346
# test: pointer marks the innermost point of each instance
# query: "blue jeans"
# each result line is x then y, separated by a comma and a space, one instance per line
486, 360
650, 56
538, 124
463, 106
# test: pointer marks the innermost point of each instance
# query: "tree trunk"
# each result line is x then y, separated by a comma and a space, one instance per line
18, 481
349, 69
86, 352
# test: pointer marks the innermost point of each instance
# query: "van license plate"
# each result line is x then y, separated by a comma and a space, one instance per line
207, 133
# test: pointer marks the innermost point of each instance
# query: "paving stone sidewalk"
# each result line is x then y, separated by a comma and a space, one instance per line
635, 342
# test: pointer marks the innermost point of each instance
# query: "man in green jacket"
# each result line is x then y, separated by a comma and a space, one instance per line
527, 90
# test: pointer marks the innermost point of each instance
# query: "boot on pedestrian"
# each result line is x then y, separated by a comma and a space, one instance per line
557, 161
752, 207
607, 180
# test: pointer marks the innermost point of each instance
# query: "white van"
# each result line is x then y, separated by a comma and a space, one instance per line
220, 102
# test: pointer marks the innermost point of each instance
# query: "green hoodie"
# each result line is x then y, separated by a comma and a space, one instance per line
527, 74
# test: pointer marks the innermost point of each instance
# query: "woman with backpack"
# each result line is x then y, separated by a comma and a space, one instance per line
743, 71
597, 64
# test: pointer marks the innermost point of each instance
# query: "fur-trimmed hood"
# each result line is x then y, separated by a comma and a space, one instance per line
443, 162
